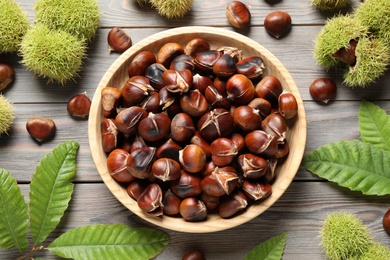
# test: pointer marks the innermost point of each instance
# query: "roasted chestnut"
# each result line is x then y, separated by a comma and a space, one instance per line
193, 209
197, 45
117, 165
128, 119
168, 52
269, 88
194, 103
140, 63
182, 127
223, 151
252, 67
247, 118
216, 123
240, 89
135, 90
192, 158
188, 185
154, 127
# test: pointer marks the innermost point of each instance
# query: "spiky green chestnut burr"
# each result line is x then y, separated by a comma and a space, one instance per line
376, 251
53, 54
372, 58
13, 25
375, 14
141, 2
344, 236
329, 4
334, 35
6, 115
77, 17
172, 8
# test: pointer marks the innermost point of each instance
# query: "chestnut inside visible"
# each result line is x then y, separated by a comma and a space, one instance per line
201, 124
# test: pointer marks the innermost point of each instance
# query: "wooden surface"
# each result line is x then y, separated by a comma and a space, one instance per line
300, 211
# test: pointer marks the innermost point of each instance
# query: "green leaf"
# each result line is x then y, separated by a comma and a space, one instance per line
51, 189
110, 241
272, 249
374, 125
13, 214
352, 164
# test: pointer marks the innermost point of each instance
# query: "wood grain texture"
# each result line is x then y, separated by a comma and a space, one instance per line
307, 201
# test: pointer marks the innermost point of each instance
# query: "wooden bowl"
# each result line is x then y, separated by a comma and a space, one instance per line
117, 75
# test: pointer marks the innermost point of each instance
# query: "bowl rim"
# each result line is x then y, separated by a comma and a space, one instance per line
214, 222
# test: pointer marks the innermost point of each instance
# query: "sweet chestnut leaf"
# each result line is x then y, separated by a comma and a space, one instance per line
271, 249
13, 214
51, 189
358, 165
355, 165
103, 241
374, 125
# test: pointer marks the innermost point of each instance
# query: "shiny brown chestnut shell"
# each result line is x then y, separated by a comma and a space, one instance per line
251, 166
222, 181
128, 119
247, 118
140, 63
288, 105
223, 151
192, 158
154, 74
225, 66
135, 90
196, 45
150, 200
117, 165
182, 127
252, 67
261, 143
168, 52
182, 62
194, 103
177, 81
275, 125
216, 123
187, 185
205, 60
238, 14
193, 209
140, 162
240, 89
269, 88
154, 127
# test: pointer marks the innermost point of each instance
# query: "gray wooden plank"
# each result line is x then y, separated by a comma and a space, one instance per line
20, 153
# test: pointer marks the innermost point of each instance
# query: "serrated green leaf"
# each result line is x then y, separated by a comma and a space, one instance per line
13, 214
110, 241
272, 249
355, 165
51, 189
374, 125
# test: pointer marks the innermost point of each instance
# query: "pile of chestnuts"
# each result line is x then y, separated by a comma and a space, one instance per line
196, 130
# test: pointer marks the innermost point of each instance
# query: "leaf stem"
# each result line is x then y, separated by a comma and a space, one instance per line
29, 255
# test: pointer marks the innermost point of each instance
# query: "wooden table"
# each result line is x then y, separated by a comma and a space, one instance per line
300, 211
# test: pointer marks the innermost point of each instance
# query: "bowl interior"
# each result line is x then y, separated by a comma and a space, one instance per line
117, 76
